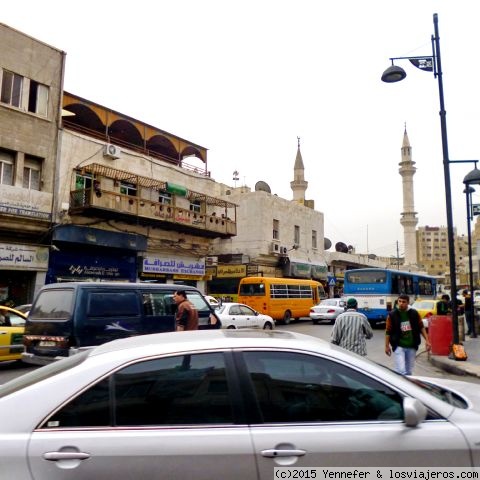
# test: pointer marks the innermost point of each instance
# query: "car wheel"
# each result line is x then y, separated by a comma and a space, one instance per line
332, 321
315, 322
287, 316
230, 327
267, 326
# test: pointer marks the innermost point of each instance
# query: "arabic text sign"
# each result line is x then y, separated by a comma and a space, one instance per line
26, 257
182, 266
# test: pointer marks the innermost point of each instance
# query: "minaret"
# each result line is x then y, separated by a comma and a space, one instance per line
409, 218
299, 185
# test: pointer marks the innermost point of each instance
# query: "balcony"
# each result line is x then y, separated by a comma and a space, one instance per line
219, 219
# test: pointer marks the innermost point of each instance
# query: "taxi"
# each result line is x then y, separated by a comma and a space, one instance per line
427, 308
12, 325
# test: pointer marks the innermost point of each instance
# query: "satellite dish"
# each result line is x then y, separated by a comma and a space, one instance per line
350, 249
327, 243
341, 247
262, 186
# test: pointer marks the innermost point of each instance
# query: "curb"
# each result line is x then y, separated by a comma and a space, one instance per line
454, 366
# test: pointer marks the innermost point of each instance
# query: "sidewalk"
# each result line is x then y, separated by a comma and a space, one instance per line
469, 367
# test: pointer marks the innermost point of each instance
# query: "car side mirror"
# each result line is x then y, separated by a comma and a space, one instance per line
414, 412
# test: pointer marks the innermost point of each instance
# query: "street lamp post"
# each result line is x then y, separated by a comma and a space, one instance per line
433, 64
472, 178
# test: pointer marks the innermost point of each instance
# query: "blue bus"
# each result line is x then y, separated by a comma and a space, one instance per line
376, 289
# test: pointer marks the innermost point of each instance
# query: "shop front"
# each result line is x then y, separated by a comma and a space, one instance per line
23, 269
89, 254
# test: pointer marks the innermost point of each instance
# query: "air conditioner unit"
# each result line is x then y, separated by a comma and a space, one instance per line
279, 249
274, 248
111, 151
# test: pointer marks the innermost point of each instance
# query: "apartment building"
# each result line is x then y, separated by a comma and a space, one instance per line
31, 78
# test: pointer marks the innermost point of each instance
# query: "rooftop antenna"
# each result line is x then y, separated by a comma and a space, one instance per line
235, 177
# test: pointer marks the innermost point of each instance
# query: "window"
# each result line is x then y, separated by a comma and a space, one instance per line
7, 160
276, 230
196, 206
314, 239
38, 98
180, 390
165, 198
127, 188
11, 89
293, 387
296, 235
32, 173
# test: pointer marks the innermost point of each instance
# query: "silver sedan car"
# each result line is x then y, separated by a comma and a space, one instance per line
328, 309
238, 315
227, 404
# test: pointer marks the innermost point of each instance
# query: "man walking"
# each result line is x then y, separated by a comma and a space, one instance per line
467, 307
351, 329
186, 317
402, 335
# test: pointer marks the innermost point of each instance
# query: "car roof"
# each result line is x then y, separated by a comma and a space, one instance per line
128, 285
173, 342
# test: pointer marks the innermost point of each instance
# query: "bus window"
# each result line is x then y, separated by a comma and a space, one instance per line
253, 289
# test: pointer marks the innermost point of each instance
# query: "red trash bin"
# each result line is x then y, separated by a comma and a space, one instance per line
440, 332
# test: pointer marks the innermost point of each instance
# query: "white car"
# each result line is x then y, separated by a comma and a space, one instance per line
328, 309
214, 302
238, 315
228, 404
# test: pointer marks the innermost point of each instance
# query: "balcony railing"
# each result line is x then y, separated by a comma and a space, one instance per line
115, 205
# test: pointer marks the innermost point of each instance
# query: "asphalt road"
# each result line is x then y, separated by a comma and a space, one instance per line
375, 351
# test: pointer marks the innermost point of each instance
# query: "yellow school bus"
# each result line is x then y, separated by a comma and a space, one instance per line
283, 299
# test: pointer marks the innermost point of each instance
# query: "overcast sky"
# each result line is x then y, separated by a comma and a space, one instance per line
245, 78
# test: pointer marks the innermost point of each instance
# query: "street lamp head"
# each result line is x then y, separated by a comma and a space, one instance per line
393, 74
473, 177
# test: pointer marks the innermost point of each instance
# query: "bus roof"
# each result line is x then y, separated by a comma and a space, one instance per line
278, 280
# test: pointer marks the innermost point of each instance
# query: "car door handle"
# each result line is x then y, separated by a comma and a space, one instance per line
56, 456
272, 452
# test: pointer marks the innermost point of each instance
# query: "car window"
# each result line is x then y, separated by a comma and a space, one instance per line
53, 304
198, 301
246, 310
185, 389
294, 387
158, 303
111, 304
235, 310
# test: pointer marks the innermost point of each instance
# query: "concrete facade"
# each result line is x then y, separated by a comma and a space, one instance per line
31, 77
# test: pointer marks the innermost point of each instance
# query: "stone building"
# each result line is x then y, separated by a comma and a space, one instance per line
31, 78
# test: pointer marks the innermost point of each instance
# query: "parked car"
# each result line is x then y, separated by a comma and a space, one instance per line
214, 302
66, 317
236, 403
12, 325
427, 308
238, 315
328, 309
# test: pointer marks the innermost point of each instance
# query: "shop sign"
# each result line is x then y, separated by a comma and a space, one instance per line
212, 271
191, 277
23, 257
302, 270
231, 271
174, 265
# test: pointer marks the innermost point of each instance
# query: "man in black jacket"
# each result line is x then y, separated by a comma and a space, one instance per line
402, 335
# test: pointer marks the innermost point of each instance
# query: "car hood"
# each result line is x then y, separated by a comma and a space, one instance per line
454, 390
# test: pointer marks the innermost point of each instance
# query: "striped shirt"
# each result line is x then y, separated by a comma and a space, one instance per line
350, 331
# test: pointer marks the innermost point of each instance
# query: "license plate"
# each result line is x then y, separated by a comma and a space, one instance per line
46, 343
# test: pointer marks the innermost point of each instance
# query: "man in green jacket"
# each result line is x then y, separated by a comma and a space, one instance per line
402, 335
